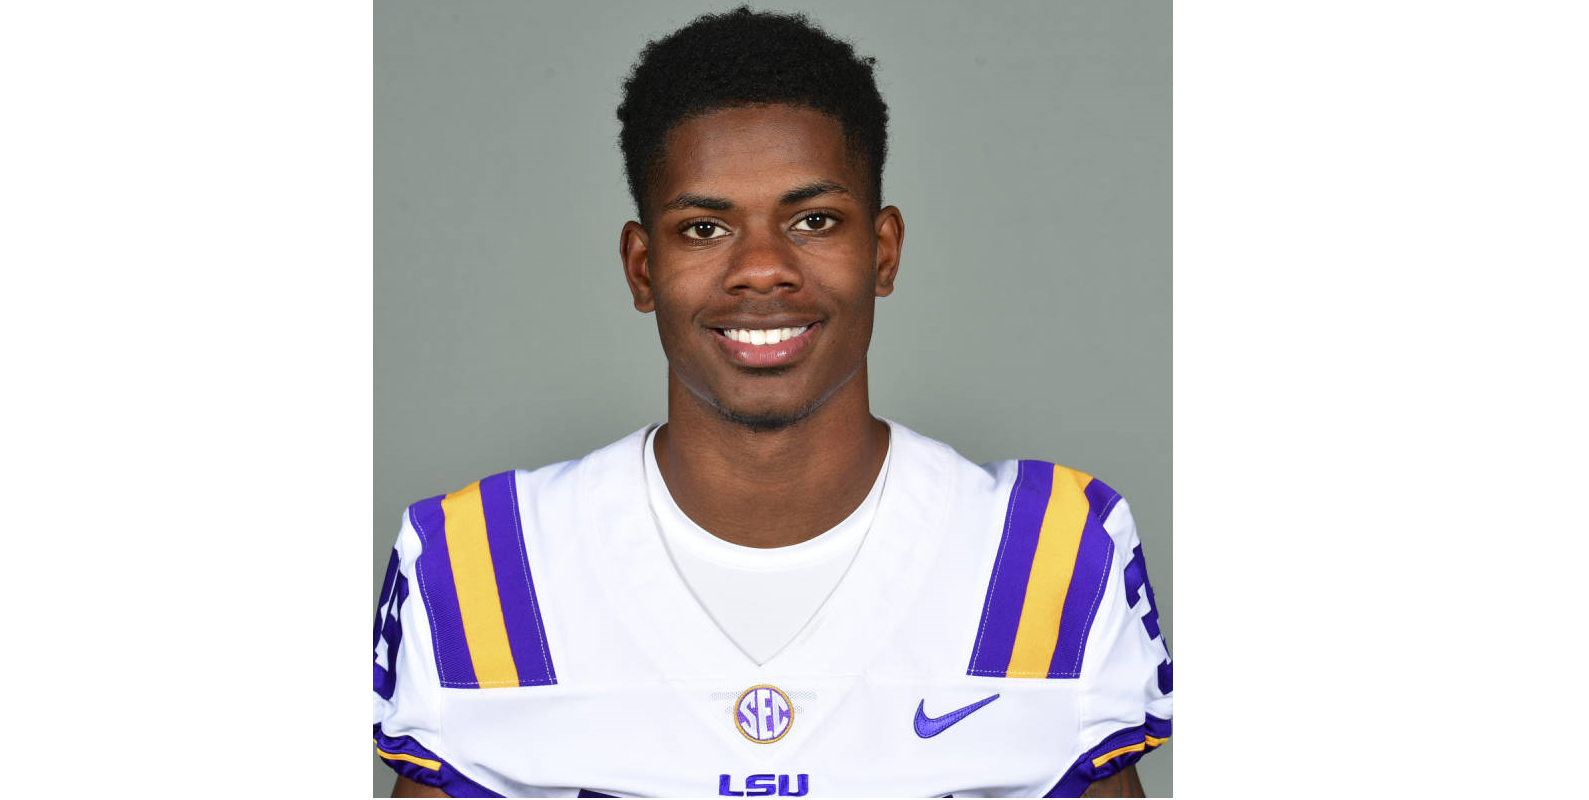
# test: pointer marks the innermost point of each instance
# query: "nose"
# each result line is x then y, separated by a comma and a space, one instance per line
762, 262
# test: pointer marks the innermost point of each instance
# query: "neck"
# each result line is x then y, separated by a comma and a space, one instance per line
771, 488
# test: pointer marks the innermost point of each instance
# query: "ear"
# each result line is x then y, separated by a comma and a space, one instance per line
890, 230
633, 249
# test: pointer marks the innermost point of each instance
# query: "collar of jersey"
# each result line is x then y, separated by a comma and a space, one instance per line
680, 531
629, 560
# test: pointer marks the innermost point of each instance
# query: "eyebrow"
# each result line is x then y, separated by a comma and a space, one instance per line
689, 200
811, 190
798, 194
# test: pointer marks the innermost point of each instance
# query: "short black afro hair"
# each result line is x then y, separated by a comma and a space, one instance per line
740, 58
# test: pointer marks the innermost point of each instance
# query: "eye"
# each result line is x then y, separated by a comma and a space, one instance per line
704, 230
816, 222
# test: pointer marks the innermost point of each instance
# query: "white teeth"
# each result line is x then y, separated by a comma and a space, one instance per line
763, 336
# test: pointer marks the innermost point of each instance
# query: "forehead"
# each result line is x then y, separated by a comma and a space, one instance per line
744, 152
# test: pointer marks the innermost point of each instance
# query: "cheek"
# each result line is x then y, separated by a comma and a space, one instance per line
668, 327
674, 323
854, 293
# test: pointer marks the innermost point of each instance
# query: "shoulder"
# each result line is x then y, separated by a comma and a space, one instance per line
497, 517
1047, 543
502, 496
480, 556
1029, 489
1048, 492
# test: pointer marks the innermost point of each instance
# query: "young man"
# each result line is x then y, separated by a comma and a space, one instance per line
774, 592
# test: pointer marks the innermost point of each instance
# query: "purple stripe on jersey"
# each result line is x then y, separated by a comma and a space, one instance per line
589, 793
1164, 678
1082, 773
1157, 728
1001, 611
434, 570
1094, 557
446, 778
1100, 499
521, 614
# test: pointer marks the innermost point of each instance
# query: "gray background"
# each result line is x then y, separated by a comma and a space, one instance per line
1029, 154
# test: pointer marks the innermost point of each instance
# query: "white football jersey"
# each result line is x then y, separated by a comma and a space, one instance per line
995, 636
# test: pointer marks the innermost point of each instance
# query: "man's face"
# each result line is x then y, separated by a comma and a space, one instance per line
761, 230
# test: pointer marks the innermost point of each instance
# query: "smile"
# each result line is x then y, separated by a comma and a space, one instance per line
766, 347
763, 337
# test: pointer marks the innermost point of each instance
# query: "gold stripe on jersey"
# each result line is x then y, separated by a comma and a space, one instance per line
1057, 543
1148, 741
469, 550
423, 762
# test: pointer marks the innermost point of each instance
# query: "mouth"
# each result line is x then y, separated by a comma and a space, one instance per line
766, 347
762, 336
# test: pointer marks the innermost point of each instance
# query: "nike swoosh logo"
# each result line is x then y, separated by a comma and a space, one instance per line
928, 727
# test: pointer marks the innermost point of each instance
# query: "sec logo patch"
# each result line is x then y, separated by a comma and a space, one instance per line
763, 714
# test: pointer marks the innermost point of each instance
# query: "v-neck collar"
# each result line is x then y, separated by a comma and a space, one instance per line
680, 532
667, 620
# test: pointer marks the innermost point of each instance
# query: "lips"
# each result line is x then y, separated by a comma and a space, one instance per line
761, 336
765, 344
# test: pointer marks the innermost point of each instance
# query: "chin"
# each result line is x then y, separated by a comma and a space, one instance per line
764, 419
